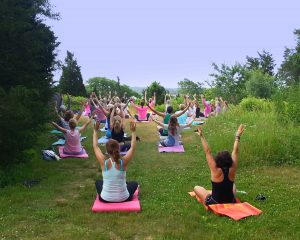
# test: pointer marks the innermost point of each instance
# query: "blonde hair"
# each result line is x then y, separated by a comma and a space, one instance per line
72, 123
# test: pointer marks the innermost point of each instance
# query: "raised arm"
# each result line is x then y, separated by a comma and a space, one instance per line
83, 127
99, 155
159, 123
80, 113
156, 112
132, 103
182, 112
59, 127
130, 153
126, 105
235, 150
203, 100
112, 115
210, 160
189, 124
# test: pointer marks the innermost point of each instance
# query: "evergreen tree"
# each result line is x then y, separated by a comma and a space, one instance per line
71, 79
27, 60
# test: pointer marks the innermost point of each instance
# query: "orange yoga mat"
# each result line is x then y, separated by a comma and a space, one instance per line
235, 211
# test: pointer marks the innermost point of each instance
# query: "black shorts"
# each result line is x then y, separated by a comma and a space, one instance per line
209, 200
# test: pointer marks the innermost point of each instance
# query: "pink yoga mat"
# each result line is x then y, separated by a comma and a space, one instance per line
178, 149
131, 206
63, 155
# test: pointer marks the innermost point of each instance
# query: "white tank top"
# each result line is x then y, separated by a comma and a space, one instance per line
114, 183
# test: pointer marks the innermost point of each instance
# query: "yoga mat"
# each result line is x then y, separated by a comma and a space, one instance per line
177, 149
235, 211
63, 141
198, 123
63, 155
103, 140
56, 132
130, 206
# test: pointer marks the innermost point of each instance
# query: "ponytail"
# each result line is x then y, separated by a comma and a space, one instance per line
116, 156
113, 149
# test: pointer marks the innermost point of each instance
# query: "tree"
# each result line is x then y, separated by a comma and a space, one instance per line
289, 71
159, 90
103, 86
260, 84
188, 87
229, 82
27, 60
71, 79
265, 63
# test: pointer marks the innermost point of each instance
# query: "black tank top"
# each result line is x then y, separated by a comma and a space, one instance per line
222, 191
117, 136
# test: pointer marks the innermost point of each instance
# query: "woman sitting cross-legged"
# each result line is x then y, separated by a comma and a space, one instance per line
72, 136
222, 168
114, 187
142, 112
174, 130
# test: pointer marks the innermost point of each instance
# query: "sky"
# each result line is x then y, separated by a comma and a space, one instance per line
169, 40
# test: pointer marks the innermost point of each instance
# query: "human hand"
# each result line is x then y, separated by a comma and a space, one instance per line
240, 130
132, 126
199, 132
96, 126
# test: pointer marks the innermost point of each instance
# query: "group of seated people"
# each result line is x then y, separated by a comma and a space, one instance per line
113, 187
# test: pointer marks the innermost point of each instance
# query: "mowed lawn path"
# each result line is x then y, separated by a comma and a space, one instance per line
60, 206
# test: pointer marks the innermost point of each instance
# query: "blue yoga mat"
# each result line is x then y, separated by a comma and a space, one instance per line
103, 140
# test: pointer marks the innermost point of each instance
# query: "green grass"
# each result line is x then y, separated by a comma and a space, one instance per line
60, 206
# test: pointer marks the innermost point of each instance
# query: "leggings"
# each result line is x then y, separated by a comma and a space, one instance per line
131, 187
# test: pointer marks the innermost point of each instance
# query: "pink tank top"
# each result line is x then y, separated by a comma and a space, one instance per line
100, 114
142, 112
72, 144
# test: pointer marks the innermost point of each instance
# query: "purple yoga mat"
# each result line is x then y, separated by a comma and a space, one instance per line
178, 149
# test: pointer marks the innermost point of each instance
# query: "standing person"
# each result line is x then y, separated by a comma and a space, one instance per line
72, 136
113, 187
222, 168
174, 130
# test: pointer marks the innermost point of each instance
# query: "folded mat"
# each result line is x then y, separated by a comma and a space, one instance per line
178, 149
63, 155
235, 211
130, 206
63, 141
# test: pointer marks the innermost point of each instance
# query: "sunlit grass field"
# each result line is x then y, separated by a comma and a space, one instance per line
59, 207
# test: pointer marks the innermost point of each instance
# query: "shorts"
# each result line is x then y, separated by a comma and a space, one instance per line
209, 200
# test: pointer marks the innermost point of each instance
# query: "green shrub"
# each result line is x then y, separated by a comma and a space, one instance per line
160, 108
255, 104
22, 118
287, 105
76, 102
